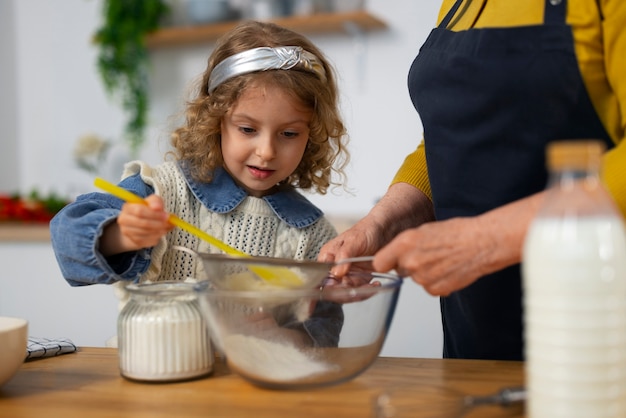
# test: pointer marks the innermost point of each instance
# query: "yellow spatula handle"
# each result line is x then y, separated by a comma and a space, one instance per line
203, 235
130, 197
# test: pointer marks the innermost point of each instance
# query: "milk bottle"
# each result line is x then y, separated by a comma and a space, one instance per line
574, 278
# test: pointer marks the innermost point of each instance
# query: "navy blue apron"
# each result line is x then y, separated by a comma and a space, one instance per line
490, 100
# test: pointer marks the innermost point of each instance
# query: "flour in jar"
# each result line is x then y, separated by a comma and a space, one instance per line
271, 360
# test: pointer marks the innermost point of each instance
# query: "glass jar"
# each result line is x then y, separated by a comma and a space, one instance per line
162, 335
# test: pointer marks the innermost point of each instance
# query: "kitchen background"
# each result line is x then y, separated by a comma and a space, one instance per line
52, 96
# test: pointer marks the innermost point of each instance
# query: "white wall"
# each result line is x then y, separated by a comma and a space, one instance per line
9, 163
54, 89
31, 287
59, 96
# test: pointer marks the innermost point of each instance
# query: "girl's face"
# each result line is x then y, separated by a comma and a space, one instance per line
264, 135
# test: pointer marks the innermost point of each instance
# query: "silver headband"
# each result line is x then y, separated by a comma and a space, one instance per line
263, 59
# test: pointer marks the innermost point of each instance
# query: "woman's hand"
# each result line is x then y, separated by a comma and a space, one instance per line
137, 226
361, 239
449, 255
402, 207
441, 256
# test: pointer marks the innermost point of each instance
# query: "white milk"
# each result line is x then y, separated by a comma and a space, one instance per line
575, 312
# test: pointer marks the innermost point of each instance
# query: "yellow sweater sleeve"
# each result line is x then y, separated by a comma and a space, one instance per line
414, 171
614, 50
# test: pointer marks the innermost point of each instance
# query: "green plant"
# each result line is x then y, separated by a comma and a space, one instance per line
123, 58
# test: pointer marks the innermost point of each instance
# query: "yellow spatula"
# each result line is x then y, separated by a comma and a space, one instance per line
279, 276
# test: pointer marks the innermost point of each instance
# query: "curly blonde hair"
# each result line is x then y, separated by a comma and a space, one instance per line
198, 140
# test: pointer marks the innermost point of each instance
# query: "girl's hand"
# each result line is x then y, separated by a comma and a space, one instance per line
138, 226
144, 225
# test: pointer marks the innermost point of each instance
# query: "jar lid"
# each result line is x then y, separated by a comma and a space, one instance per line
162, 288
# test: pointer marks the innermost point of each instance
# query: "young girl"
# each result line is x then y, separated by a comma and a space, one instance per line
264, 123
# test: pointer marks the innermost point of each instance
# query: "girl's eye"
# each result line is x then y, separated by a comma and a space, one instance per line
246, 130
288, 134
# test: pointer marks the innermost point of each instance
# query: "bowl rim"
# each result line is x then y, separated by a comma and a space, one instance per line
275, 261
12, 323
391, 282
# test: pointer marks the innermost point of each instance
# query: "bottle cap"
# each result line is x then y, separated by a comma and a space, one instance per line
577, 154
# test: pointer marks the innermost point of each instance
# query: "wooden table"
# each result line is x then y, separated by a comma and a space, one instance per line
88, 384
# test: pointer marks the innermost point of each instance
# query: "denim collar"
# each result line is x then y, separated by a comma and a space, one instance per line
222, 195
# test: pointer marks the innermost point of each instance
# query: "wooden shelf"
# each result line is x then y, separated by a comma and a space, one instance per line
316, 23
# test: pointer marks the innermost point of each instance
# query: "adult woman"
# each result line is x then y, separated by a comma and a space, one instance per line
493, 84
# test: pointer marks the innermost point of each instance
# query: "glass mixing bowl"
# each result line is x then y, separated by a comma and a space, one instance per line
299, 338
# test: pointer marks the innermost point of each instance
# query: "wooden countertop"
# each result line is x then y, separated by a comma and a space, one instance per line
24, 232
88, 384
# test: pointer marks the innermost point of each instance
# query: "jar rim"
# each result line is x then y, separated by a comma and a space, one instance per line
161, 288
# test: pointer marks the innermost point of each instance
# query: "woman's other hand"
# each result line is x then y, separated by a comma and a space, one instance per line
449, 255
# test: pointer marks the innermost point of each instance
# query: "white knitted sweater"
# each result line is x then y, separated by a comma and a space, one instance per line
252, 227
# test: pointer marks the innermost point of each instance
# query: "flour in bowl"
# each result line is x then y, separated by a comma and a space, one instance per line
244, 281
269, 360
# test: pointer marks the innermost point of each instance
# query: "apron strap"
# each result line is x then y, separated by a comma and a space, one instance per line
446, 20
555, 12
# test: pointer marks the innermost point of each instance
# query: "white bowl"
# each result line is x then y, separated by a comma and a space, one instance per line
13, 340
